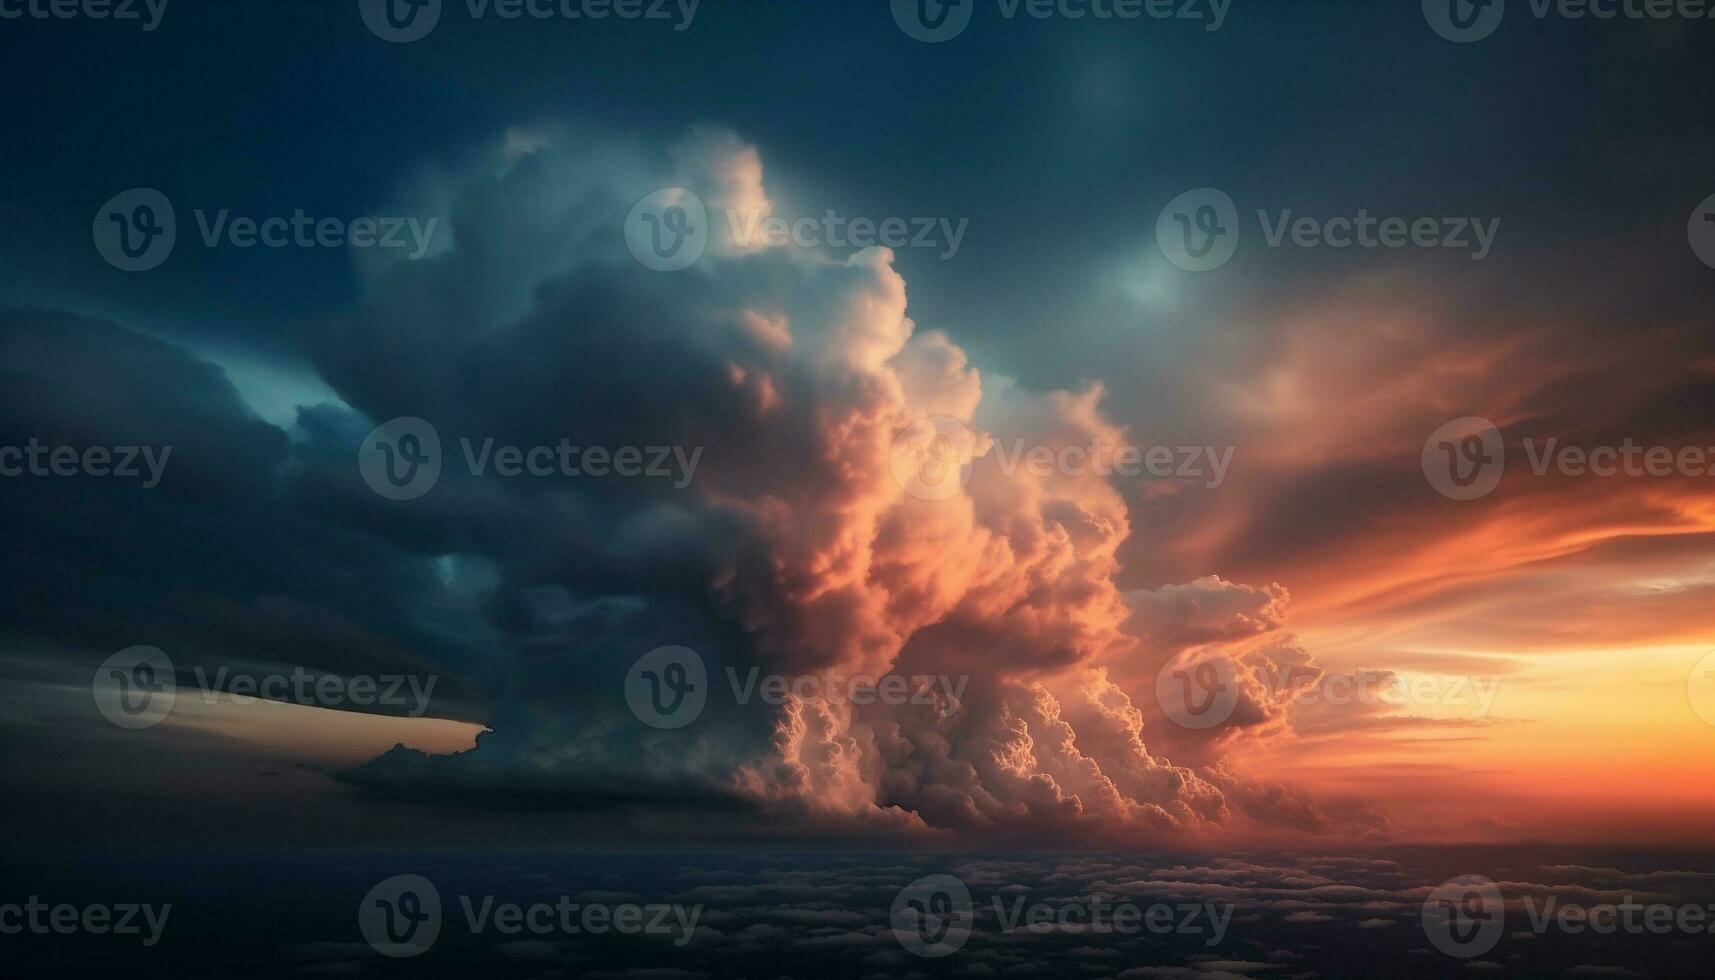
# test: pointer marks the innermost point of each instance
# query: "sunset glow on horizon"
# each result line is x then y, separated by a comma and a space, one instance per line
922, 489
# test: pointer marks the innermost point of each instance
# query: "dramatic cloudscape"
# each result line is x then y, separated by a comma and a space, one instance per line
1258, 457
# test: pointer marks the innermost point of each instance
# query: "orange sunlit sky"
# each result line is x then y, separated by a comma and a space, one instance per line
686, 375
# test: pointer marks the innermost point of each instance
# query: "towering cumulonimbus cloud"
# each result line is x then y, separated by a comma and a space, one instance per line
797, 548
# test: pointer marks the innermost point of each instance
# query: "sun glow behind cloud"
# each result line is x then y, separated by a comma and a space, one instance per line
1326, 556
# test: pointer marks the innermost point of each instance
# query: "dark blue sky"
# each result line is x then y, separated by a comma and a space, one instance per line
1320, 370
1060, 140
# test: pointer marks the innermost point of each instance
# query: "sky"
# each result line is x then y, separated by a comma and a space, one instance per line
1395, 655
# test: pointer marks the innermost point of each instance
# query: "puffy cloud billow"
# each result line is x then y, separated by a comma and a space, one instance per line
795, 549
